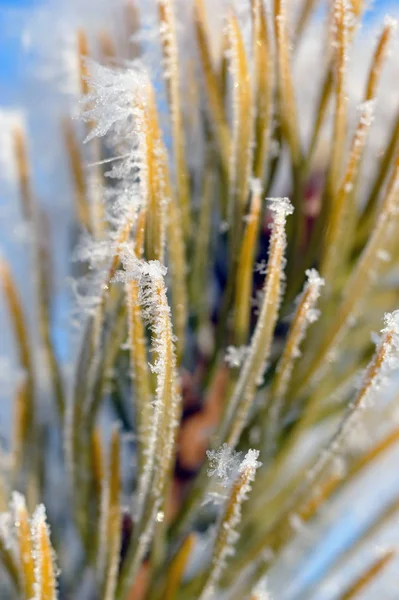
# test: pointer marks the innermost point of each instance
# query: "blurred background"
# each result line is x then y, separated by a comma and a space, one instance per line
39, 87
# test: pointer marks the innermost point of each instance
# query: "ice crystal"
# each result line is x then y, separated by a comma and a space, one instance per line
113, 99
235, 356
224, 463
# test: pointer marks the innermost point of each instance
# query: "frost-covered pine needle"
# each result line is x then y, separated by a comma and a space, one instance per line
227, 536
258, 352
200, 326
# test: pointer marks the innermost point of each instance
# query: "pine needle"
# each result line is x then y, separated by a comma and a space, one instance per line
306, 11
238, 406
178, 270
25, 546
286, 97
113, 527
161, 438
226, 536
77, 170
45, 587
263, 88
139, 368
18, 322
214, 97
178, 567
379, 58
22, 425
8, 562
97, 461
40, 264
338, 142
306, 501
336, 227
168, 35
362, 278
243, 291
304, 316
83, 55
156, 181
370, 213
242, 127
360, 585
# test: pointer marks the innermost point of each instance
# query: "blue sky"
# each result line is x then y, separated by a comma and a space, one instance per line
10, 47
11, 56
12, 59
